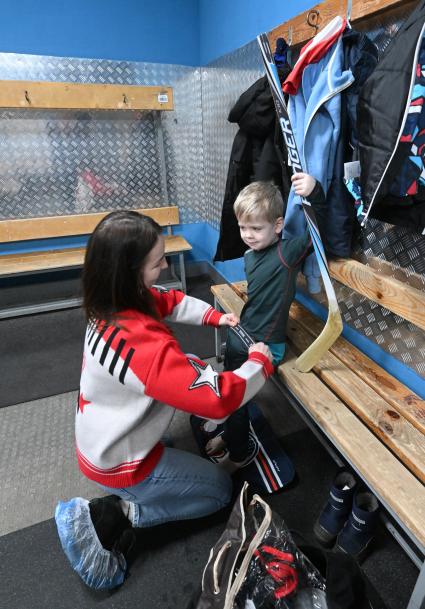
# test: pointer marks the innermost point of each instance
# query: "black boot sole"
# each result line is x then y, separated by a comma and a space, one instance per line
325, 538
360, 556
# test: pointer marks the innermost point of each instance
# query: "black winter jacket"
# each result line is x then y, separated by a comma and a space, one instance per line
253, 157
380, 116
361, 57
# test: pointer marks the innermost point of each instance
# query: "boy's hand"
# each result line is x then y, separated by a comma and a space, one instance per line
229, 319
261, 348
303, 184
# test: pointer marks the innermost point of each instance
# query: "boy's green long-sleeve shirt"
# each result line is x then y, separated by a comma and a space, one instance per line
271, 275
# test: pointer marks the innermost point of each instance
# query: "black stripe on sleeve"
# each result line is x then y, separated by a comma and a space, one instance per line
107, 345
92, 331
126, 365
101, 333
116, 356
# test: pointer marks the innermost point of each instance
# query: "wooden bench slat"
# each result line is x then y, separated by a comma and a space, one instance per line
240, 288
383, 267
394, 295
14, 264
399, 488
407, 442
228, 299
31, 262
176, 244
65, 226
398, 396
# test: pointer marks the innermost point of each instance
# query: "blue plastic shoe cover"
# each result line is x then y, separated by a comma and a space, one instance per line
97, 567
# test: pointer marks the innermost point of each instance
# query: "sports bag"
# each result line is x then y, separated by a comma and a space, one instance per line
255, 564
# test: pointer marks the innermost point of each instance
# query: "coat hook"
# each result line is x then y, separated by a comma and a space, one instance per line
313, 18
27, 97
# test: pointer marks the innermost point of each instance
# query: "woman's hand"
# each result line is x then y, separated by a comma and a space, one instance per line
229, 319
261, 348
303, 184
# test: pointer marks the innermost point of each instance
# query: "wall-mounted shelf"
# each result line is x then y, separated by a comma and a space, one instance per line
66, 95
304, 26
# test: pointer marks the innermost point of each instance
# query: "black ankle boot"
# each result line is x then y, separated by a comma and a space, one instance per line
336, 510
108, 520
358, 531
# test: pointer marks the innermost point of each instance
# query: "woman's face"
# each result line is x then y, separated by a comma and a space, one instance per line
154, 263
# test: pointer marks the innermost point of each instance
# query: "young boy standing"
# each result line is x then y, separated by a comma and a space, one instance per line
271, 268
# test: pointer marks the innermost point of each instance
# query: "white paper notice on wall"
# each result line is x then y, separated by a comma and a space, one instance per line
163, 98
351, 170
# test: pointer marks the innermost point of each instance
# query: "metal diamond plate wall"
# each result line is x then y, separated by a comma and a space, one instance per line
223, 81
63, 162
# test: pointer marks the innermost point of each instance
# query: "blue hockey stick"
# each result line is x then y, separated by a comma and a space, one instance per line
333, 327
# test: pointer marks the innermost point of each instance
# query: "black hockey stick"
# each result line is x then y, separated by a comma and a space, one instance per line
333, 327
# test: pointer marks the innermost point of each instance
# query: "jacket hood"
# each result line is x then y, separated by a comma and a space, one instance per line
323, 80
254, 111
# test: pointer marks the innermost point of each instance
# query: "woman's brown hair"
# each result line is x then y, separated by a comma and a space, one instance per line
112, 278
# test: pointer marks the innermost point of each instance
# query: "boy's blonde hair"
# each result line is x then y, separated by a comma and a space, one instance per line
259, 200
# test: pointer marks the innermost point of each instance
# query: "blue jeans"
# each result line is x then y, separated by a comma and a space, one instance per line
182, 486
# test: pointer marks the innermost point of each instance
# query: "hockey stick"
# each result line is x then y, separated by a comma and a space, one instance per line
333, 327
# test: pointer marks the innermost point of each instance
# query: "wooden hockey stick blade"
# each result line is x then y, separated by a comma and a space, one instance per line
312, 355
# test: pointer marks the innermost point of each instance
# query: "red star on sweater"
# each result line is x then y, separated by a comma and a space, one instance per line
82, 403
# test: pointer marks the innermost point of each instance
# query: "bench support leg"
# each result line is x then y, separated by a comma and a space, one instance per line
417, 600
54, 305
182, 272
217, 335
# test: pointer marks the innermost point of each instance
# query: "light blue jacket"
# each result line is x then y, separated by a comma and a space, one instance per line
315, 113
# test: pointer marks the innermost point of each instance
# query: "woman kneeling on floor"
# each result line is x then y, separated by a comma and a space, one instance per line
134, 376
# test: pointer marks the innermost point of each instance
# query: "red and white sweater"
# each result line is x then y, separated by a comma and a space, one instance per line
135, 376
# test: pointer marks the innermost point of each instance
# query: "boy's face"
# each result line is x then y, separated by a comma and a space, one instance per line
258, 233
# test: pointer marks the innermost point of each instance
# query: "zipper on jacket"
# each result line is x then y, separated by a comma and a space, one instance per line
327, 97
403, 123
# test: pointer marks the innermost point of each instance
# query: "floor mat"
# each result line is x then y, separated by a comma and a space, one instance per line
270, 469
41, 354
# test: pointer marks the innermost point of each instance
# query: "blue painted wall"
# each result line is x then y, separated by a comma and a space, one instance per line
165, 31
225, 26
185, 32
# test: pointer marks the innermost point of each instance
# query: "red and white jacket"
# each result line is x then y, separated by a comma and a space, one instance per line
135, 376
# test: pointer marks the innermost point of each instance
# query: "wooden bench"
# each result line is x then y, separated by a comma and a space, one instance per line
24, 230
362, 414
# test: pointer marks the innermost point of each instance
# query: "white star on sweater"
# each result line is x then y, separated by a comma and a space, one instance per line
206, 375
